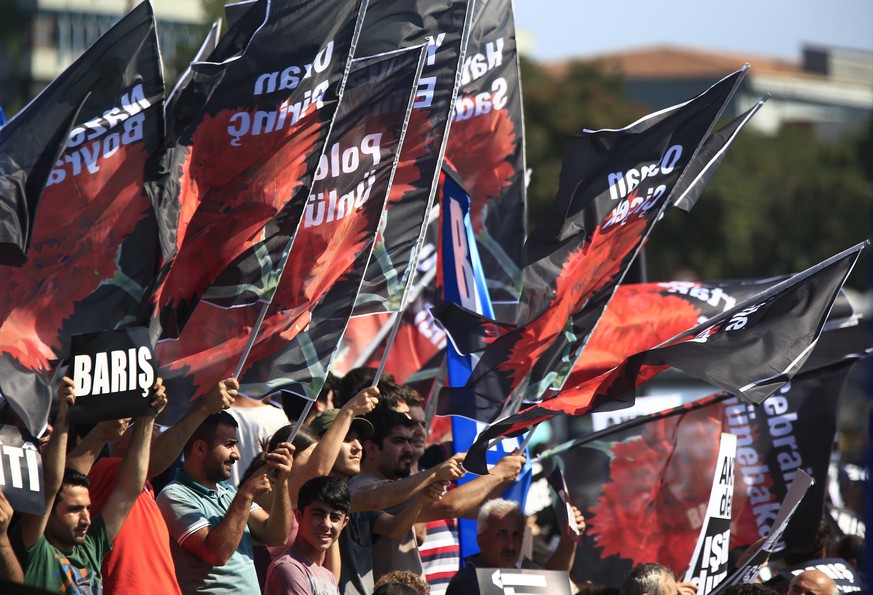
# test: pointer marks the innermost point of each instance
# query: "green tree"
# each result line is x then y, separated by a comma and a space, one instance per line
778, 205
559, 102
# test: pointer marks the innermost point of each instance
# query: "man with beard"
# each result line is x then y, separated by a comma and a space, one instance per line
211, 523
62, 550
356, 541
500, 533
388, 456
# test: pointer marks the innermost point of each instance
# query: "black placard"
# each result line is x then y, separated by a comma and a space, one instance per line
114, 372
21, 471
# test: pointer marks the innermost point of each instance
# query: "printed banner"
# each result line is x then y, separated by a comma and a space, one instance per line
92, 248
313, 297
847, 579
246, 137
583, 247
486, 146
709, 564
731, 351
21, 471
390, 25
114, 373
503, 581
615, 471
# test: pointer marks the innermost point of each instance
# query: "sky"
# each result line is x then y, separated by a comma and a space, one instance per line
556, 29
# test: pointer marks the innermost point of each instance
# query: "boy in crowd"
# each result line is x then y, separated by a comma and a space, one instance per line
322, 512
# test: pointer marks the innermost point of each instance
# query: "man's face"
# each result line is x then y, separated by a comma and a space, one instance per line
394, 458
221, 453
320, 525
348, 462
69, 521
500, 543
419, 432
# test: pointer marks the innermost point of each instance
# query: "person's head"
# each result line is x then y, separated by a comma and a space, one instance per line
812, 582
851, 549
70, 516
500, 533
650, 578
389, 450
348, 461
419, 431
394, 589
749, 590
322, 512
397, 396
411, 583
303, 442
354, 382
211, 451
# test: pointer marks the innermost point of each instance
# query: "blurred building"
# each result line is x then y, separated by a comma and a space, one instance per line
829, 89
42, 37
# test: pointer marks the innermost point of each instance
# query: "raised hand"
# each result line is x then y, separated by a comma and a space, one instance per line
159, 401
509, 466
363, 402
451, 469
221, 396
258, 484
281, 460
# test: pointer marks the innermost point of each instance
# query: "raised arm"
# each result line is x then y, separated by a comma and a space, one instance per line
464, 500
565, 552
273, 529
132, 473
396, 526
166, 447
215, 545
82, 457
32, 527
326, 451
10, 569
393, 493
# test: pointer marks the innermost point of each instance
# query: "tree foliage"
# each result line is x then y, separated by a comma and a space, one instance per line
778, 204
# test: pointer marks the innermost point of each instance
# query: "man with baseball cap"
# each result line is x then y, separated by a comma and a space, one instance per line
367, 518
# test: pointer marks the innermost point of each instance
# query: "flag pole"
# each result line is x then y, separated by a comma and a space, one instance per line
252, 337
300, 420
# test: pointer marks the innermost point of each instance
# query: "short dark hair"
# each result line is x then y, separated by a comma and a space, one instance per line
400, 582
206, 431
71, 478
384, 420
330, 490
354, 382
392, 395
645, 578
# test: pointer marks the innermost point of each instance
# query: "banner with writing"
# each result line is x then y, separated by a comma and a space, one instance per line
21, 471
709, 564
114, 373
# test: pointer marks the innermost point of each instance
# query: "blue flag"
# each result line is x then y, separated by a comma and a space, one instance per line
464, 284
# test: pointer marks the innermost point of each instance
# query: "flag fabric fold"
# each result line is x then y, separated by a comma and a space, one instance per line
614, 187
92, 242
750, 350
309, 298
245, 138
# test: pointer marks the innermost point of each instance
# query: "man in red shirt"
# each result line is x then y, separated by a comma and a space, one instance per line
140, 560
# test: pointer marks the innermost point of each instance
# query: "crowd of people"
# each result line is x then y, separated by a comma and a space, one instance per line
226, 500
